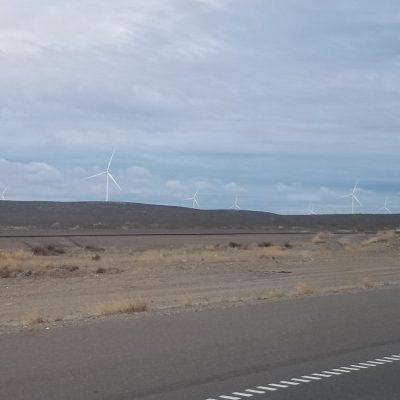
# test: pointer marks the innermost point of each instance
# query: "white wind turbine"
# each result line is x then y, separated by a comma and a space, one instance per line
195, 203
235, 205
354, 198
108, 175
3, 193
385, 208
311, 210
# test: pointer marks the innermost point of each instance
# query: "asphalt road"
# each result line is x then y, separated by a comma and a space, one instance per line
217, 354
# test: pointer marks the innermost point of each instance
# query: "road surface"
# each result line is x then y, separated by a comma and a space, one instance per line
343, 346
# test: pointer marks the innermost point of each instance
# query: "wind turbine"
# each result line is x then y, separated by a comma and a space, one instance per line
354, 198
3, 194
385, 208
235, 205
108, 175
311, 210
195, 203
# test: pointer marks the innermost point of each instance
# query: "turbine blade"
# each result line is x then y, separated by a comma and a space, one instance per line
356, 199
94, 176
112, 178
109, 163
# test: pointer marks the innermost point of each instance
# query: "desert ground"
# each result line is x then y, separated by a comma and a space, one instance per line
47, 282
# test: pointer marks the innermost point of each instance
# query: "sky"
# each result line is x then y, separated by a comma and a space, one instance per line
283, 103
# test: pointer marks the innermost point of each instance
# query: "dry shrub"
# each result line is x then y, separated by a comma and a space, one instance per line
235, 245
122, 306
17, 255
381, 237
8, 271
287, 245
367, 284
264, 244
94, 249
96, 257
304, 289
276, 293
48, 250
109, 271
188, 302
32, 318
321, 237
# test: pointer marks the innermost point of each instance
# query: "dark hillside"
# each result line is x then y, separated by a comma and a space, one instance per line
89, 215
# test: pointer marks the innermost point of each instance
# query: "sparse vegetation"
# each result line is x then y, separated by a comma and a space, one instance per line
276, 293
96, 257
367, 283
122, 306
302, 289
94, 249
234, 245
288, 245
264, 244
48, 250
33, 317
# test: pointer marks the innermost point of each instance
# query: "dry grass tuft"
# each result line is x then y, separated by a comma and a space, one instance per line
96, 257
48, 250
381, 237
321, 237
302, 289
94, 249
16, 255
33, 317
264, 244
122, 306
276, 293
367, 284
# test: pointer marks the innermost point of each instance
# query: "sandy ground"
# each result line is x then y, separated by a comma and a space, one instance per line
71, 279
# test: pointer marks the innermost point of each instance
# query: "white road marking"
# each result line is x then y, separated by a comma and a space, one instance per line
332, 372
267, 388
272, 387
350, 368
341, 370
322, 375
242, 394
300, 380
278, 385
255, 391
290, 383
314, 378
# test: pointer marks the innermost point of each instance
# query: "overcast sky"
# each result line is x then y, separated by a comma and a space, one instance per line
281, 102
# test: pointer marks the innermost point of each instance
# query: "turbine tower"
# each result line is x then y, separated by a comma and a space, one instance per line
195, 203
354, 198
3, 193
109, 177
235, 205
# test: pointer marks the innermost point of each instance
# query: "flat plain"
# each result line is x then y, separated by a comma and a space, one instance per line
69, 280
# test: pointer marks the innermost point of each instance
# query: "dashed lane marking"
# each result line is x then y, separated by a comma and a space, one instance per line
317, 376
270, 389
